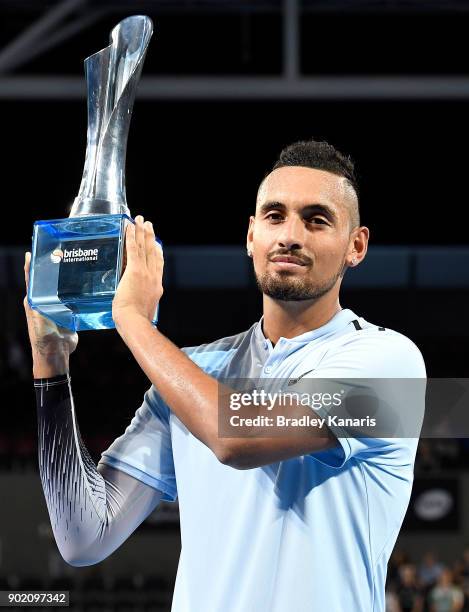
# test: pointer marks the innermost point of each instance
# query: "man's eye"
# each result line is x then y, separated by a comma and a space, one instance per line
278, 217
318, 220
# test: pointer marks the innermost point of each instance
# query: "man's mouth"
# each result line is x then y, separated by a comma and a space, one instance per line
287, 261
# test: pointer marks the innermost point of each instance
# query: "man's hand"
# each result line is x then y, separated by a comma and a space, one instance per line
51, 345
140, 288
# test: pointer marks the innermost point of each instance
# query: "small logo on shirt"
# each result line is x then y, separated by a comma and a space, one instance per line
293, 381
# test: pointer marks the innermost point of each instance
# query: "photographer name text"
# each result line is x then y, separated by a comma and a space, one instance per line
304, 421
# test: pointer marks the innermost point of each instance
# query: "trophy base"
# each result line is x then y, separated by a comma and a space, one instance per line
76, 265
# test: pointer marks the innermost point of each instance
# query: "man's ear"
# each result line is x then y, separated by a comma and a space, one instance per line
358, 245
250, 235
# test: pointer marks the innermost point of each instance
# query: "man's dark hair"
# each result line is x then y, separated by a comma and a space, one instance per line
320, 155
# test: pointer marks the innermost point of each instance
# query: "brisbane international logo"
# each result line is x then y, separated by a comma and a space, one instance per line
56, 256
74, 255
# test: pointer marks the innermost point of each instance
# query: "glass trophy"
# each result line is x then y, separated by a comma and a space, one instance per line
77, 262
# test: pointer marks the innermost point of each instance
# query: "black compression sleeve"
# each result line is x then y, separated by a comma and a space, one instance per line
91, 511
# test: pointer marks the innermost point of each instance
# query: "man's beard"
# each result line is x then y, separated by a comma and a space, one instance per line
295, 289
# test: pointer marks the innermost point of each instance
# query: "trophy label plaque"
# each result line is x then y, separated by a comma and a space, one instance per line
88, 268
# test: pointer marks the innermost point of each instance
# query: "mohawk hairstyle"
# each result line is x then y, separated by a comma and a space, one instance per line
321, 155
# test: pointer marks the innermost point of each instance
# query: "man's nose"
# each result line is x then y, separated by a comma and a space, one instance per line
291, 235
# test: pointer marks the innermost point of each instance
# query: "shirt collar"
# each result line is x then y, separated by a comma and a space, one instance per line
340, 320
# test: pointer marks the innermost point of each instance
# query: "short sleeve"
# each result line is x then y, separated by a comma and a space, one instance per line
144, 450
381, 381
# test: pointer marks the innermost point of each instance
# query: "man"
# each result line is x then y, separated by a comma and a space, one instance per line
268, 522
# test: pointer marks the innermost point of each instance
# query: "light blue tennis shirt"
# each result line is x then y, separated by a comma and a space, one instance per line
309, 534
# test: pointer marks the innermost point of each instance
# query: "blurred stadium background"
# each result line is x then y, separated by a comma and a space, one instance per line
226, 84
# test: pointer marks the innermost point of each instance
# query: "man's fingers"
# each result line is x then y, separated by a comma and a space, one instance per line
150, 245
159, 255
27, 263
141, 244
140, 236
130, 245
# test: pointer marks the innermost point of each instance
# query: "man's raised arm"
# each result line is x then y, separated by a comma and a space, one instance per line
92, 509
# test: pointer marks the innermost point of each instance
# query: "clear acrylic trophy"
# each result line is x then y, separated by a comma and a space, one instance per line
77, 262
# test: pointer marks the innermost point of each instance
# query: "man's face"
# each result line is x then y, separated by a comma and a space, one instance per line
300, 237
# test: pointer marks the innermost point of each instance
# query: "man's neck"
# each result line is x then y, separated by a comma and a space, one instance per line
291, 319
